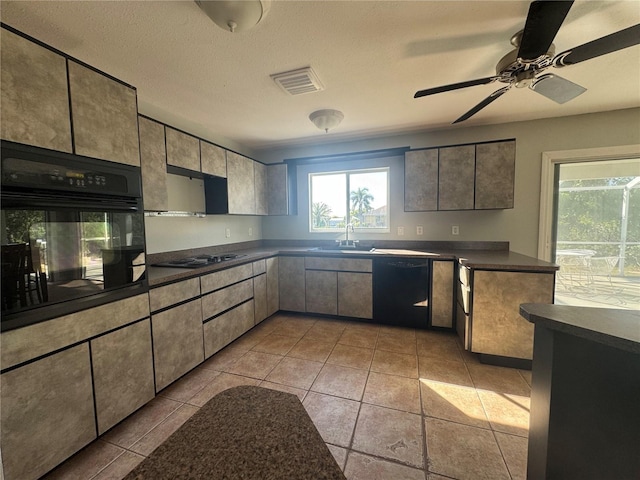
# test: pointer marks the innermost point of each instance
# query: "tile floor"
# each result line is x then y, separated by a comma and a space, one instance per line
391, 403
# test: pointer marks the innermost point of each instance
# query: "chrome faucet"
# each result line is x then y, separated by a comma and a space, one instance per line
348, 226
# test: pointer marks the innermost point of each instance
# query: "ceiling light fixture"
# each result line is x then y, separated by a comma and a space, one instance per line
326, 119
235, 15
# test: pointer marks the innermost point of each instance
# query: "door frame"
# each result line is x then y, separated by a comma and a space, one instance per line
547, 187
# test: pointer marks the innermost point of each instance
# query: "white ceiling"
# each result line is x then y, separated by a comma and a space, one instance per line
372, 56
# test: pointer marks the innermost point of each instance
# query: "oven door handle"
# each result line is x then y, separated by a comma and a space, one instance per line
67, 200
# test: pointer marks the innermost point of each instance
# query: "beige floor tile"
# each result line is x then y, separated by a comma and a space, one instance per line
295, 372
134, 427
120, 467
351, 356
443, 347
293, 327
435, 476
498, 379
400, 393
224, 358
160, 433
447, 371
453, 402
398, 344
275, 344
507, 413
311, 349
395, 364
526, 374
246, 342
266, 326
514, 450
335, 418
341, 381
220, 383
390, 434
326, 331
254, 364
405, 333
364, 467
340, 455
185, 388
359, 337
299, 392
463, 452
87, 462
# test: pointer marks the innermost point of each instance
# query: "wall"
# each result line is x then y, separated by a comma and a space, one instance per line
518, 225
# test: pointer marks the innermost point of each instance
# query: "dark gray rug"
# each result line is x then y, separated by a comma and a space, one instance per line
243, 433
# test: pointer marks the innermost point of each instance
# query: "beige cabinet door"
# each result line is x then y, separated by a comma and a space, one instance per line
260, 297
355, 294
495, 174
442, 289
183, 150
456, 178
260, 180
277, 191
421, 180
273, 290
240, 184
47, 412
34, 94
321, 292
213, 159
153, 163
105, 116
177, 341
224, 329
122, 373
291, 277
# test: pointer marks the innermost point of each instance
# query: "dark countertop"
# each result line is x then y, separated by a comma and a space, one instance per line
480, 259
613, 327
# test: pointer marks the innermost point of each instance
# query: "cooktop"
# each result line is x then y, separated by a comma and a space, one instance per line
199, 260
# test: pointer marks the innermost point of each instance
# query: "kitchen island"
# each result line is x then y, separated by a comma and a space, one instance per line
585, 393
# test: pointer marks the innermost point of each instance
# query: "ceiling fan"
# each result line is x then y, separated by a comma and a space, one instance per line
535, 52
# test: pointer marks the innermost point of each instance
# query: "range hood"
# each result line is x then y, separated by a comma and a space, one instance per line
185, 197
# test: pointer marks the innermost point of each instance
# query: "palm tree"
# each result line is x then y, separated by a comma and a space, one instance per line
361, 201
320, 213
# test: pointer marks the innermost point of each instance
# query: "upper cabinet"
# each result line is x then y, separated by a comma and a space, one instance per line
277, 189
183, 150
213, 159
105, 116
35, 101
260, 182
240, 184
465, 177
153, 163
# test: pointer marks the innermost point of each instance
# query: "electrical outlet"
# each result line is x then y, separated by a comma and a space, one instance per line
250, 231
400, 231
455, 230
419, 230
227, 232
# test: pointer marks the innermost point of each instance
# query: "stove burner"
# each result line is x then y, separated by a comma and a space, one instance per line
199, 260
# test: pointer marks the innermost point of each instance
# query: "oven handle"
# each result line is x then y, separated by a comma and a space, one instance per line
68, 200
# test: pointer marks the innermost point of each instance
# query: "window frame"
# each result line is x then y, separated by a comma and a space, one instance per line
348, 172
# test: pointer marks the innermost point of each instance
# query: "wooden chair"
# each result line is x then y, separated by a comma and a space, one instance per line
14, 292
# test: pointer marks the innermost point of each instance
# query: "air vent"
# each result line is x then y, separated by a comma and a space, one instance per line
297, 82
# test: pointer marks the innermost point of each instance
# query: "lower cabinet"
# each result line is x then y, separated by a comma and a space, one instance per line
260, 297
291, 278
122, 373
442, 293
321, 294
273, 288
224, 329
355, 294
47, 412
177, 341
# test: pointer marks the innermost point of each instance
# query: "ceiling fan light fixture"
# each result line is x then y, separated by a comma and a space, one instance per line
235, 15
326, 119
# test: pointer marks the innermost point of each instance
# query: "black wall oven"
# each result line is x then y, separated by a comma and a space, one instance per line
72, 233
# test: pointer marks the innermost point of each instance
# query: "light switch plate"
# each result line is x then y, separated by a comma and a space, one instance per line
455, 230
227, 232
400, 231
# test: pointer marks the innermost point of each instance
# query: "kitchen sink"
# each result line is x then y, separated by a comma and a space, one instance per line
343, 249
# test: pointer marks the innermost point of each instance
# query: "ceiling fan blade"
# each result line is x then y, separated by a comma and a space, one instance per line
484, 103
454, 86
602, 46
556, 88
543, 22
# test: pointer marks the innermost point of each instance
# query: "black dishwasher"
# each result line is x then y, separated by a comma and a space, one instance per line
401, 291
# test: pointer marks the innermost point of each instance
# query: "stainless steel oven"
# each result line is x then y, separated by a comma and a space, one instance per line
72, 233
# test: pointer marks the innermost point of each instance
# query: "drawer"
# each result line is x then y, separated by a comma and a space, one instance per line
223, 330
338, 264
221, 300
259, 267
168, 295
218, 280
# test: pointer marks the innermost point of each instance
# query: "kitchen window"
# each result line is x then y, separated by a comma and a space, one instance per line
359, 198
